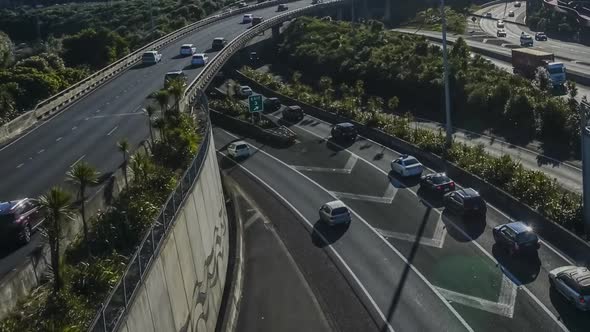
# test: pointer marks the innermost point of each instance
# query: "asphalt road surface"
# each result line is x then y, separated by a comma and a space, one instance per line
90, 129
565, 50
441, 255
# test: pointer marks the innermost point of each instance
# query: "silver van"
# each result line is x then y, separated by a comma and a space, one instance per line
151, 57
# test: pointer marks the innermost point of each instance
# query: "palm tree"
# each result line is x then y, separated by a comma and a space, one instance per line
176, 89
56, 204
83, 174
150, 111
162, 97
141, 164
123, 146
160, 124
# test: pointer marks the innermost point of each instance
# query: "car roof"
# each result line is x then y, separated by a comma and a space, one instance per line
187, 45
468, 192
345, 124
407, 157
247, 14
272, 98
198, 55
294, 107
245, 86
172, 72
519, 227
239, 143
335, 204
150, 52
218, 38
8, 206
581, 275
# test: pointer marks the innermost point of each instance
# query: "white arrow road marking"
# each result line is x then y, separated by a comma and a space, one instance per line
437, 240
347, 169
504, 306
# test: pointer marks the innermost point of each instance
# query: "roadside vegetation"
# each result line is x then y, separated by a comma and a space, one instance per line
533, 188
430, 19
81, 277
45, 50
541, 18
483, 97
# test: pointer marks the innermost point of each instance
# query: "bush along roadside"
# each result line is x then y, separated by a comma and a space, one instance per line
81, 278
532, 188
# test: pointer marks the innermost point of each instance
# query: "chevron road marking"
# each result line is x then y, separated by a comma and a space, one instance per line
437, 240
347, 169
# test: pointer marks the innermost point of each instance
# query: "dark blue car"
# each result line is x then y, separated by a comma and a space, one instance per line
516, 237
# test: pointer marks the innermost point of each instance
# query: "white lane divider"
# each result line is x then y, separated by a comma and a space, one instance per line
77, 161
58, 139
41, 151
112, 130
20, 165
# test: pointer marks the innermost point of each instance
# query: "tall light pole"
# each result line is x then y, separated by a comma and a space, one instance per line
584, 109
449, 127
151, 17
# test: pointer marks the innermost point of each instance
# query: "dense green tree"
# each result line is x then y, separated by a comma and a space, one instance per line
95, 48
6, 50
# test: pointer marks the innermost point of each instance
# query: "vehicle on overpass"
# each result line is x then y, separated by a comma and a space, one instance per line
525, 62
517, 4
18, 219
239, 149
438, 183
293, 113
242, 4
271, 104
245, 91
516, 237
175, 75
489, 15
187, 49
540, 36
315, 2
501, 33
256, 20
151, 57
465, 202
247, 18
282, 7
500, 24
218, 43
344, 131
511, 13
573, 282
526, 40
407, 166
199, 59
335, 213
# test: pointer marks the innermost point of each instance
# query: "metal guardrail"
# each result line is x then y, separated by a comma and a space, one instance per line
63, 98
113, 309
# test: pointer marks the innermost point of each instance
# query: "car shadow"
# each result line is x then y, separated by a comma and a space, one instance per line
432, 198
338, 145
323, 234
403, 182
179, 56
190, 67
141, 66
524, 267
463, 228
211, 50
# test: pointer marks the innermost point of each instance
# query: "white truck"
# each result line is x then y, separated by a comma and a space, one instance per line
525, 62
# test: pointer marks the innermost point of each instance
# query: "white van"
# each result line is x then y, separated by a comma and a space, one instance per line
151, 57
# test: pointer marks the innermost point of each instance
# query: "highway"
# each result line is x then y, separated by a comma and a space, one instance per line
90, 129
487, 289
567, 51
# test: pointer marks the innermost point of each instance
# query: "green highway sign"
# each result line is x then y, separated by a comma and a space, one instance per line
255, 103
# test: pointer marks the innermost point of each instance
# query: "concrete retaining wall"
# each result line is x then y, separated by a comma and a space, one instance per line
182, 290
563, 239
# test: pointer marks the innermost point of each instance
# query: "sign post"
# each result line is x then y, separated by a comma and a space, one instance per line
255, 105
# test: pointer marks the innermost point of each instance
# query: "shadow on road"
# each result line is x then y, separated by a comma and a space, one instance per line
402, 182
524, 267
463, 229
323, 234
434, 199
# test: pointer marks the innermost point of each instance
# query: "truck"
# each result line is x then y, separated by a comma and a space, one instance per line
525, 62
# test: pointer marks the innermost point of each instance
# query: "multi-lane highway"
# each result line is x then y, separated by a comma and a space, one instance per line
567, 51
418, 267
90, 129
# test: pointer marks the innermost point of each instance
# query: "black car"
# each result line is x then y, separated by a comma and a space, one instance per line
464, 202
516, 237
282, 7
439, 183
18, 219
540, 36
344, 131
256, 20
271, 104
218, 43
293, 113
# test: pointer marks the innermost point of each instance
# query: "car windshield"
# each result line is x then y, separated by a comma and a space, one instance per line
440, 179
6, 218
148, 55
526, 237
555, 70
348, 129
186, 47
339, 210
241, 147
411, 161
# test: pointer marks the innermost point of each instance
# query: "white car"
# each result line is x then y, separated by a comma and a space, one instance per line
239, 149
335, 213
188, 49
199, 59
501, 33
500, 24
247, 18
245, 91
407, 166
151, 57
517, 4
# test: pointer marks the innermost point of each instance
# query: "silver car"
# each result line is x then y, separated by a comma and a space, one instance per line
335, 213
573, 283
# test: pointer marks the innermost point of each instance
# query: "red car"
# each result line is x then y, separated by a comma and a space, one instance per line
18, 220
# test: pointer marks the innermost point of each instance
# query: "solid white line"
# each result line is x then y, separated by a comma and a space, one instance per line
251, 220
387, 243
321, 169
41, 151
19, 165
77, 161
329, 246
351, 162
112, 130
58, 139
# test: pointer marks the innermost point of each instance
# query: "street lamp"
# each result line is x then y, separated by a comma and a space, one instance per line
449, 127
